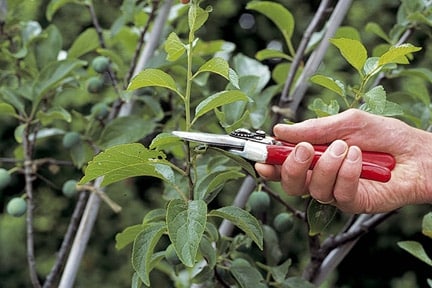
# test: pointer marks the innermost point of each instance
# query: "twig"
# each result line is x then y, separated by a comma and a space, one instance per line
315, 60
298, 58
28, 176
364, 223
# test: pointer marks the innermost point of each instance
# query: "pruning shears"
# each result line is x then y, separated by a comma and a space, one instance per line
259, 147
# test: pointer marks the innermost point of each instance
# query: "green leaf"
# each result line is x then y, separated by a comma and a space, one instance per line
377, 30
53, 114
124, 161
143, 247
246, 275
186, 224
334, 85
272, 249
375, 99
86, 42
164, 140
174, 47
353, 51
155, 215
197, 17
52, 75
243, 220
266, 54
216, 65
219, 99
209, 187
153, 77
278, 14
397, 54
244, 164
54, 5
280, 272
48, 48
7, 110
323, 109
319, 216
208, 252
10, 96
427, 225
128, 235
125, 130
416, 249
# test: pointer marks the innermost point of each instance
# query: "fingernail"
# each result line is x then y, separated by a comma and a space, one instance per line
353, 153
301, 153
338, 148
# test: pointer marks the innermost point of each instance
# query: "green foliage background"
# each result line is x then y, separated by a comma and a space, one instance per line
387, 265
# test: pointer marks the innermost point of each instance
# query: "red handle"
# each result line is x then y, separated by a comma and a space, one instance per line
376, 166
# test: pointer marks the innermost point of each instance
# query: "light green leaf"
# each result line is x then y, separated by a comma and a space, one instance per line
10, 96
155, 215
128, 235
271, 54
377, 30
86, 42
278, 14
153, 77
124, 130
416, 249
186, 224
7, 109
216, 65
48, 48
334, 85
280, 272
376, 100
319, 216
197, 17
323, 109
353, 51
243, 220
53, 114
397, 54
174, 47
427, 225
219, 99
124, 161
208, 252
143, 248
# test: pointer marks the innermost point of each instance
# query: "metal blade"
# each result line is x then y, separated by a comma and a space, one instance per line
219, 140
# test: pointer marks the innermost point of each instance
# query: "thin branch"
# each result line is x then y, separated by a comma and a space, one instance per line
315, 60
28, 176
298, 58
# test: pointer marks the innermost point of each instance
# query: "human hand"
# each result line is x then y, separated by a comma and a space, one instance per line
335, 178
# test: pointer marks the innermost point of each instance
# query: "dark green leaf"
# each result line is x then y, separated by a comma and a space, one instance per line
246, 275
143, 247
243, 220
427, 225
125, 130
53, 114
208, 252
186, 224
319, 216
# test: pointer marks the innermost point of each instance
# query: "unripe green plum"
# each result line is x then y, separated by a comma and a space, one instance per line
283, 222
69, 188
259, 201
16, 207
240, 262
100, 64
5, 178
95, 84
71, 139
99, 110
